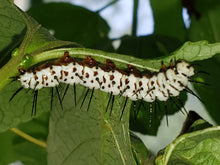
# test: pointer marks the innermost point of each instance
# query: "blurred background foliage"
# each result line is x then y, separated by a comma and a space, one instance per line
88, 28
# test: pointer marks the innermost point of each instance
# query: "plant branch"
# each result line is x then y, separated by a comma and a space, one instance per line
135, 15
106, 6
28, 137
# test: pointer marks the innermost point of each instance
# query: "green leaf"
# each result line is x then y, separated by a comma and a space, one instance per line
207, 26
168, 18
37, 39
209, 93
194, 122
14, 148
151, 46
74, 130
73, 23
6, 143
141, 154
147, 122
30, 153
199, 147
89, 137
199, 125
19, 109
12, 27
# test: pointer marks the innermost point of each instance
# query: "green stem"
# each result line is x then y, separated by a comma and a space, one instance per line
28, 137
135, 17
201, 50
106, 6
190, 51
121, 60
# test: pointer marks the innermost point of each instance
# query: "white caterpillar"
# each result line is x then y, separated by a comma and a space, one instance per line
160, 86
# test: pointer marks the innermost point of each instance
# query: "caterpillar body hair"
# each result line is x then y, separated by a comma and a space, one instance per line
132, 84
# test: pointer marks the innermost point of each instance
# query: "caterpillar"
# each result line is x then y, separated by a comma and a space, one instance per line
130, 83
